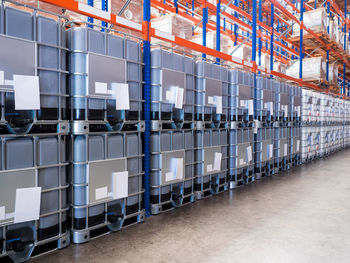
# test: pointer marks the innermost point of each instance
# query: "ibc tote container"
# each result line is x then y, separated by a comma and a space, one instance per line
317, 141
241, 147
281, 148
316, 101
241, 90
265, 101
172, 90
106, 141
325, 140
295, 143
33, 185
307, 144
264, 149
212, 106
284, 100
296, 104
172, 169
32, 45
307, 117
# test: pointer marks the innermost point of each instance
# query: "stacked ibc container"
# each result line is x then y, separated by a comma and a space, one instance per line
295, 130
33, 131
241, 137
211, 135
106, 172
264, 127
173, 135
287, 115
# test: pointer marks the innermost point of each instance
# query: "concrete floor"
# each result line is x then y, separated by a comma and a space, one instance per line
299, 216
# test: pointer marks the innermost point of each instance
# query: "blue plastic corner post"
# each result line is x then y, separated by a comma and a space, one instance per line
204, 34
271, 37
301, 40
147, 109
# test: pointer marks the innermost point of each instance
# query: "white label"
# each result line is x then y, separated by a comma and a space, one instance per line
250, 107
209, 168
237, 60
297, 109
285, 149
179, 98
249, 154
164, 35
210, 100
269, 107
217, 161
94, 11
169, 176
270, 151
27, 92
2, 78
9, 82
120, 182
128, 23
218, 104
298, 145
177, 168
121, 91
101, 88
241, 162
2, 213
169, 95
101, 193
285, 109
27, 205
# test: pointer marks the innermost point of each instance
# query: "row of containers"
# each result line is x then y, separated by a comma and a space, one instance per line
71, 159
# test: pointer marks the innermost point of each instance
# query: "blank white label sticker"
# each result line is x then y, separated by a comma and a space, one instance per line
2, 78
250, 107
242, 103
218, 104
27, 92
270, 151
177, 168
121, 91
249, 154
120, 181
2, 213
210, 100
94, 11
285, 149
101, 88
209, 168
101, 193
217, 161
179, 98
169, 95
241, 162
27, 205
169, 176
298, 145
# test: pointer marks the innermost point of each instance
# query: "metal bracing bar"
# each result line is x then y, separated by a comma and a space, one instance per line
147, 107
237, 47
125, 6
188, 9
285, 32
223, 8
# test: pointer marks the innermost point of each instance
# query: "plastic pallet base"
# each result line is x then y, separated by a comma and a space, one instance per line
171, 125
41, 250
157, 209
79, 237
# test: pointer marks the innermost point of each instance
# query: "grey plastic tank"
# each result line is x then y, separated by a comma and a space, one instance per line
34, 161
265, 101
211, 160
172, 89
241, 93
264, 152
212, 105
33, 45
97, 161
98, 60
172, 169
281, 148
241, 151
